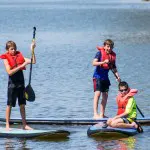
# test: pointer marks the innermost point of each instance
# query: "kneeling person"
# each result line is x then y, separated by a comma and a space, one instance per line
126, 115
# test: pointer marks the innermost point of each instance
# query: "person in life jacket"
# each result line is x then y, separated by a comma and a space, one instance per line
15, 63
104, 60
126, 113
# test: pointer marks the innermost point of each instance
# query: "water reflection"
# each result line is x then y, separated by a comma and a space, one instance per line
12, 143
122, 144
61, 139
22, 143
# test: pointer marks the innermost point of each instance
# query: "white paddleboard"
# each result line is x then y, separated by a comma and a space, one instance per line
20, 133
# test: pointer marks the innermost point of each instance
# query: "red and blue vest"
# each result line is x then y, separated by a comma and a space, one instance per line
111, 57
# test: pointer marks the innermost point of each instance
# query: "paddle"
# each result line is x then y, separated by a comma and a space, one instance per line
136, 104
29, 93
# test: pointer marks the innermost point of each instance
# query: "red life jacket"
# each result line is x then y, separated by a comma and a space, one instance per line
111, 57
14, 61
122, 101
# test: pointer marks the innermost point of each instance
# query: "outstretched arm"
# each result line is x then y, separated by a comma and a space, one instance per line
115, 72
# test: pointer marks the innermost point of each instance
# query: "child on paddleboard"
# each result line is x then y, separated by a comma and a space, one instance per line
15, 63
104, 60
126, 114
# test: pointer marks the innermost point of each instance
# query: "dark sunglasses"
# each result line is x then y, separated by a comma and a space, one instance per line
124, 90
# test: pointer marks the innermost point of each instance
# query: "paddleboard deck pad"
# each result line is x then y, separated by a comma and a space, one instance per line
98, 130
20, 133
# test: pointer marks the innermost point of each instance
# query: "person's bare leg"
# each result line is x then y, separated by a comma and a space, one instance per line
109, 121
8, 112
103, 105
118, 123
23, 115
125, 125
95, 104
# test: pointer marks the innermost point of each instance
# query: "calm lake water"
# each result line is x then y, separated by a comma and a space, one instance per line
68, 32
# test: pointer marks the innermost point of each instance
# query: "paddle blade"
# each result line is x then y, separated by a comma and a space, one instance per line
29, 94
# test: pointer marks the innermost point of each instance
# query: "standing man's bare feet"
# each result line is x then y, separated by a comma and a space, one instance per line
102, 116
27, 128
7, 128
96, 116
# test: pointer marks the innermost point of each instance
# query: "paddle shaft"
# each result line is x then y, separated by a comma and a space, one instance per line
34, 29
140, 111
136, 104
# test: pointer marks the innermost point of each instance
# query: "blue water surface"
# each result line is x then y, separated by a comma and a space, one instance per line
67, 34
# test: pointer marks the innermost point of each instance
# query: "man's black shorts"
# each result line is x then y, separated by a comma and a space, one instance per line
125, 120
15, 93
101, 85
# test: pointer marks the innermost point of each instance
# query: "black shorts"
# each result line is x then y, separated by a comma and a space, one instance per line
14, 94
125, 120
101, 85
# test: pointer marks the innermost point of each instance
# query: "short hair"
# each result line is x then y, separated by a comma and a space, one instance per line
10, 44
109, 42
123, 83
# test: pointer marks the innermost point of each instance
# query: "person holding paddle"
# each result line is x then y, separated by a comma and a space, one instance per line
104, 60
15, 63
126, 114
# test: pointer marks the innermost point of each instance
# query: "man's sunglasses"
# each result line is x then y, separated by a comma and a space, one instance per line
124, 90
